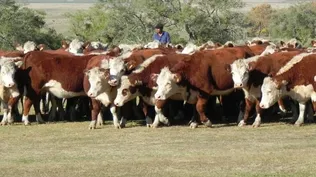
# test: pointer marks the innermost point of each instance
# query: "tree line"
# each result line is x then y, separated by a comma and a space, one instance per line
132, 21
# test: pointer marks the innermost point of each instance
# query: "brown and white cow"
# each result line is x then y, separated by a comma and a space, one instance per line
60, 75
8, 87
204, 71
248, 74
295, 79
127, 62
141, 82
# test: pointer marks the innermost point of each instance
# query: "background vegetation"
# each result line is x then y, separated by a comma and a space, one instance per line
126, 21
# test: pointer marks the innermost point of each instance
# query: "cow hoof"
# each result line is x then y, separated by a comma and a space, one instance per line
27, 123
242, 123
93, 125
117, 126
149, 121
41, 122
208, 123
154, 125
123, 123
298, 124
3, 123
100, 123
148, 125
193, 125
256, 124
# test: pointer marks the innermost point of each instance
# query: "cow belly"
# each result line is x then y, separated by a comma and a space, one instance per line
222, 92
55, 88
302, 93
253, 93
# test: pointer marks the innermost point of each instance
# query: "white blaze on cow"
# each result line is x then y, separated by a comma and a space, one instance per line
97, 79
8, 69
117, 68
292, 62
76, 47
167, 84
123, 92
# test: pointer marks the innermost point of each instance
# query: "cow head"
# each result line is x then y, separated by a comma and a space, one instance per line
313, 43
117, 68
240, 73
8, 67
76, 47
98, 78
29, 46
270, 49
167, 84
272, 91
126, 91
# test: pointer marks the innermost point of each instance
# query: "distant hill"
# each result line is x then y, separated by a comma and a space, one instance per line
56, 1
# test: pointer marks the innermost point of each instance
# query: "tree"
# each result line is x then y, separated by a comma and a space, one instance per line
20, 24
132, 21
297, 21
259, 19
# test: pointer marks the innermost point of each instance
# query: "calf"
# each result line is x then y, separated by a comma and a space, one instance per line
203, 71
295, 79
248, 74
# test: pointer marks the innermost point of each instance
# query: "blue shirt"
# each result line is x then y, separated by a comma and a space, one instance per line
164, 38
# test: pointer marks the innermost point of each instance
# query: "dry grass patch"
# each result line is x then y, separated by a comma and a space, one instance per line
70, 149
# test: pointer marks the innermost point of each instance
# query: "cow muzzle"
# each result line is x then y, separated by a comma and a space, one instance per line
238, 85
113, 82
91, 95
9, 85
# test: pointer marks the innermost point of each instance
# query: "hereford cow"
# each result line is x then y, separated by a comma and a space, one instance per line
295, 79
204, 71
127, 62
141, 83
8, 87
46, 72
248, 74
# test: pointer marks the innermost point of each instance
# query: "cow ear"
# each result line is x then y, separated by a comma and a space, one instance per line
154, 77
86, 45
251, 66
282, 43
177, 77
18, 63
228, 68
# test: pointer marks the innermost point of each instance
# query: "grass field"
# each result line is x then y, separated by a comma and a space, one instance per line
70, 149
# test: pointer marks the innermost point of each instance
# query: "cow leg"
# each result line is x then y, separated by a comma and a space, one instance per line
37, 109
26, 110
5, 110
53, 112
200, 107
159, 117
61, 109
95, 111
193, 122
300, 119
309, 113
248, 107
149, 121
113, 110
257, 121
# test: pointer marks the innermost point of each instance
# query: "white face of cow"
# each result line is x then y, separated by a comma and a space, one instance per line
117, 70
76, 47
29, 46
240, 73
97, 78
167, 84
7, 71
123, 92
271, 92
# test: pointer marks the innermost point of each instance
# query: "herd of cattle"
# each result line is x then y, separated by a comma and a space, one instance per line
154, 78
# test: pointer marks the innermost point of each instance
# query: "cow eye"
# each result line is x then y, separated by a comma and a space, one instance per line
122, 70
124, 92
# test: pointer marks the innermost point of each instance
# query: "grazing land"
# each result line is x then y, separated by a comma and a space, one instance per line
70, 149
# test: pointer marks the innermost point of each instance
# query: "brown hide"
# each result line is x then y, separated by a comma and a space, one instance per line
258, 49
43, 67
11, 54
302, 73
268, 65
206, 70
139, 56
